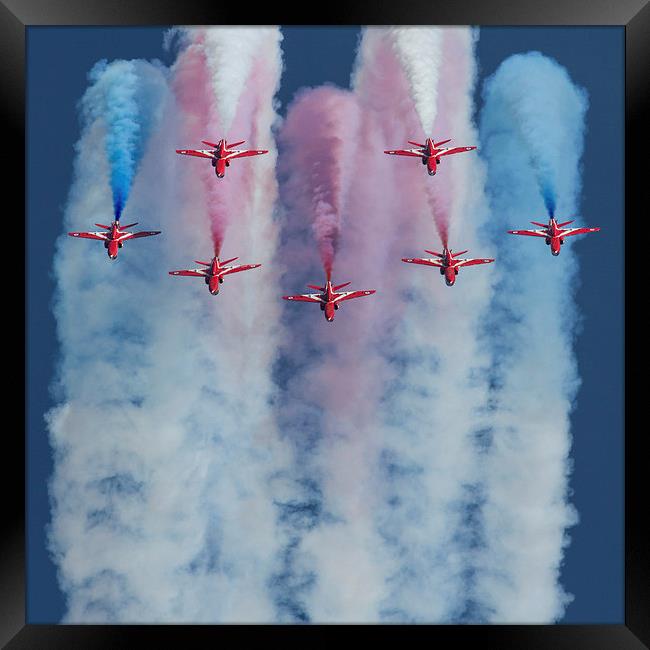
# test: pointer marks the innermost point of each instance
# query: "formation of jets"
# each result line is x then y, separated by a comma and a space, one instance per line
330, 296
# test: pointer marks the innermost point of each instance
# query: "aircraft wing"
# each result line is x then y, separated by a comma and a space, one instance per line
244, 153
577, 231
143, 233
240, 267
406, 152
89, 235
305, 297
427, 261
199, 153
201, 273
530, 233
348, 295
472, 262
448, 152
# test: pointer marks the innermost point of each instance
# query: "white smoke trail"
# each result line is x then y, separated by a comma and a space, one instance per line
531, 329
164, 438
398, 379
419, 51
433, 408
231, 52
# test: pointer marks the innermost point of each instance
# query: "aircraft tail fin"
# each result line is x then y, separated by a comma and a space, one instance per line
566, 223
340, 286
210, 144
433, 253
313, 286
437, 144
417, 144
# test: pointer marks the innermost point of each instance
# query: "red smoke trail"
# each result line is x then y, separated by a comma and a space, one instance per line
193, 88
384, 90
452, 117
319, 136
191, 84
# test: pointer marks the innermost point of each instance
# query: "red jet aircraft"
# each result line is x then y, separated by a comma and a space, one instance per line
447, 262
554, 233
213, 275
430, 153
221, 154
115, 237
329, 297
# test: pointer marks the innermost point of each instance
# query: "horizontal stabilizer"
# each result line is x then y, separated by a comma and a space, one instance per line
128, 225
417, 144
234, 144
313, 286
210, 144
228, 261
458, 253
566, 223
204, 263
536, 223
433, 253
101, 225
340, 286
437, 144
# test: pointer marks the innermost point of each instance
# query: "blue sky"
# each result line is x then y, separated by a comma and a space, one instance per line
593, 566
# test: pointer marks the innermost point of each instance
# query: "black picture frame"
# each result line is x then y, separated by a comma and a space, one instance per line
634, 15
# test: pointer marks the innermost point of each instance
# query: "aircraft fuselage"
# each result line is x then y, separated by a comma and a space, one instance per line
329, 307
112, 246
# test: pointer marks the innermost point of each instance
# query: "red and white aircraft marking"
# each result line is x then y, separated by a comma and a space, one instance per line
221, 154
115, 237
554, 233
448, 263
215, 272
329, 297
431, 152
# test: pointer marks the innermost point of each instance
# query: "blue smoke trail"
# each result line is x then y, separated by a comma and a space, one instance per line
531, 137
532, 97
128, 100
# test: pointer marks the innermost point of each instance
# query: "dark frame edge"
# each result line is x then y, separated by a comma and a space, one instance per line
636, 631
12, 542
637, 545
